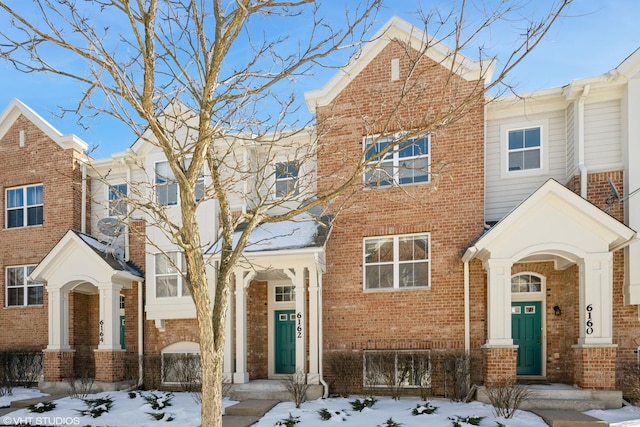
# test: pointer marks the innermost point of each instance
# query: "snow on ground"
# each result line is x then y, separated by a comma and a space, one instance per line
19, 393
184, 411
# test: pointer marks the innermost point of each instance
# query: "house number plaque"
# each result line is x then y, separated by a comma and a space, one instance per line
589, 324
102, 331
299, 325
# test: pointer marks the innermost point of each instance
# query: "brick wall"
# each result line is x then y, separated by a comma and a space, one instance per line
257, 331
450, 208
40, 161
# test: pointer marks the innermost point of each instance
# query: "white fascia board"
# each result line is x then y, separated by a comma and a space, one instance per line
17, 107
397, 28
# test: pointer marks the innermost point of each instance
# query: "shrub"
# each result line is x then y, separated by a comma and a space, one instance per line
288, 422
507, 397
427, 408
359, 405
389, 423
97, 407
42, 407
156, 401
297, 386
346, 371
474, 421
326, 415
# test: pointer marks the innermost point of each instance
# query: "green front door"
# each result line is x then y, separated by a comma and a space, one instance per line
285, 341
526, 331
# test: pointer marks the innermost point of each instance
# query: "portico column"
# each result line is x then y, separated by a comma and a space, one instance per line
594, 357
109, 333
498, 302
58, 319
313, 377
241, 375
499, 353
301, 310
596, 299
227, 363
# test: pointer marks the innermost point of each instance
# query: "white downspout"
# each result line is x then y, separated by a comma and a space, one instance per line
325, 394
582, 167
83, 202
140, 336
467, 321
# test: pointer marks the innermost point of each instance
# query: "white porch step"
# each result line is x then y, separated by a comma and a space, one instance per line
269, 390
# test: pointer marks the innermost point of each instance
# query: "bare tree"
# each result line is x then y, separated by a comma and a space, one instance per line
201, 80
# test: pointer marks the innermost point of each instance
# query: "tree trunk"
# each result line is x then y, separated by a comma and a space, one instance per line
211, 361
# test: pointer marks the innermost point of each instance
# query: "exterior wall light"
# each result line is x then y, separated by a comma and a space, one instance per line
556, 310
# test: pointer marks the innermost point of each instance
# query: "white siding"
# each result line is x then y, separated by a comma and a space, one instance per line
603, 138
505, 191
572, 161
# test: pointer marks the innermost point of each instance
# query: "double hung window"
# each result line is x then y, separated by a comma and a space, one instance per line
167, 185
524, 149
20, 291
399, 163
286, 179
24, 206
397, 262
170, 281
117, 206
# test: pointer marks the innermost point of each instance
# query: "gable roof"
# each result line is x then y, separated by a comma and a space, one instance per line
16, 108
553, 218
398, 29
80, 253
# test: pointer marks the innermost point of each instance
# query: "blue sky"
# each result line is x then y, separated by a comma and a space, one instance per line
594, 38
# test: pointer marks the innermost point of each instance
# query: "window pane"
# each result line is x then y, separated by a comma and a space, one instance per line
116, 206
413, 248
166, 263
34, 295
199, 190
516, 139
532, 137
15, 218
415, 170
15, 276
379, 276
531, 159
166, 286
414, 274
34, 215
34, 195
15, 296
516, 161
15, 198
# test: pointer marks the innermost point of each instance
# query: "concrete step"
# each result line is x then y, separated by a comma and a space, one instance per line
269, 390
562, 404
567, 418
233, 421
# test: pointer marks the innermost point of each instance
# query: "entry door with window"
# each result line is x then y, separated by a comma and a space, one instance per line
285, 341
526, 331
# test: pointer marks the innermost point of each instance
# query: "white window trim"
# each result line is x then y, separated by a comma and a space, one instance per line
24, 207
505, 173
109, 213
396, 264
396, 353
179, 274
199, 181
24, 287
296, 179
184, 348
395, 159
529, 296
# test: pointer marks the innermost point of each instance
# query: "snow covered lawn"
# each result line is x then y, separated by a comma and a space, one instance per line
183, 411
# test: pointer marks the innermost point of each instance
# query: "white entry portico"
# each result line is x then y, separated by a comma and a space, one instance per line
554, 224
82, 265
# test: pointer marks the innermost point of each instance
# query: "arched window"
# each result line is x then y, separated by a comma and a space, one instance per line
181, 363
526, 282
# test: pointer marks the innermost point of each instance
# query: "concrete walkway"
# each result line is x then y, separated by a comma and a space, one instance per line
568, 418
247, 412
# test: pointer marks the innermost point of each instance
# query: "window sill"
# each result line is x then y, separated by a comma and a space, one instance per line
14, 307
23, 227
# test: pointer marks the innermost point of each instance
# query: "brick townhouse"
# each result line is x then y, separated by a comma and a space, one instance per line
505, 234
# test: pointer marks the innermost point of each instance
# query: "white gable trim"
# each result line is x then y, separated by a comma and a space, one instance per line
17, 108
552, 202
398, 29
